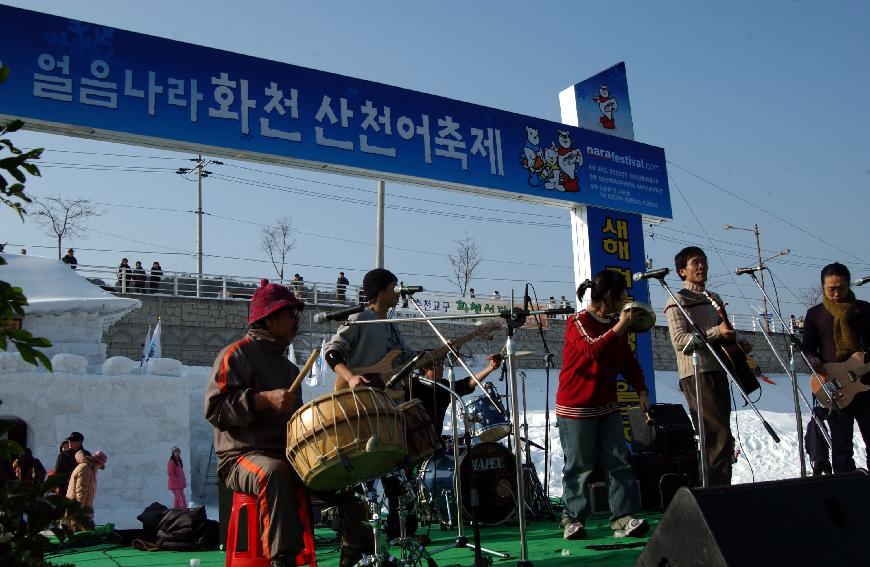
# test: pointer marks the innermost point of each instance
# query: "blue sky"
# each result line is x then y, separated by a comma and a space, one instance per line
761, 109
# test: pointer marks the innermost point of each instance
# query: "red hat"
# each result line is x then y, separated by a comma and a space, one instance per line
100, 459
269, 298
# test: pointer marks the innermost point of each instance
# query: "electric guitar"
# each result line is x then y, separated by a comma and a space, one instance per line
381, 371
841, 381
732, 355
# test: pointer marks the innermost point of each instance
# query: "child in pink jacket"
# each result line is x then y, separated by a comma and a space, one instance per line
176, 481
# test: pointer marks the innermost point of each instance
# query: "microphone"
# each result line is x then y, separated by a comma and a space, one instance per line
749, 270
404, 370
409, 289
861, 281
651, 274
340, 315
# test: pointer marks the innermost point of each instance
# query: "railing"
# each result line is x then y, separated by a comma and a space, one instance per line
219, 286
216, 286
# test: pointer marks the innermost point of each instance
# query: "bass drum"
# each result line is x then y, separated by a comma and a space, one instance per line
494, 469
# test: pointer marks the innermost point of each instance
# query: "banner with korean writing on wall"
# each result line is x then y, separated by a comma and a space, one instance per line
616, 243
78, 78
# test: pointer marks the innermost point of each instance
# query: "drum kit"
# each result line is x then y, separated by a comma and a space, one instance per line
348, 439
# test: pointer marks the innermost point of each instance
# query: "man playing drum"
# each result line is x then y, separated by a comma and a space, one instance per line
248, 401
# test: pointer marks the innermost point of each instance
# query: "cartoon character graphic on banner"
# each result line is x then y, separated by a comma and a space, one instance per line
570, 160
533, 158
551, 171
608, 107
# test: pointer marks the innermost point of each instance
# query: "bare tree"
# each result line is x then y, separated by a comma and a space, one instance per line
277, 240
64, 218
809, 296
465, 262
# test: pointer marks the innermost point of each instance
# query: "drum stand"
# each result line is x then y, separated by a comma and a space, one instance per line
536, 501
412, 553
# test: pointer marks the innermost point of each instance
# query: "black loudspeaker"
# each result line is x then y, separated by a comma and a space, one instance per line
820, 520
659, 477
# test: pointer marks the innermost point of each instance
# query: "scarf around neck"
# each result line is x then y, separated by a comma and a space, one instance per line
844, 335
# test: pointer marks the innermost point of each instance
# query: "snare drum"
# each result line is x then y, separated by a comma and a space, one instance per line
421, 441
344, 438
488, 422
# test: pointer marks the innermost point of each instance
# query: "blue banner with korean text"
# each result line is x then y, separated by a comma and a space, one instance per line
83, 79
616, 243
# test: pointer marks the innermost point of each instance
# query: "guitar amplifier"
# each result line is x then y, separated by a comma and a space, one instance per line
670, 433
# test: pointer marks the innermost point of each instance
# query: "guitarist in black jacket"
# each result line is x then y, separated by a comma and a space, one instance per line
833, 331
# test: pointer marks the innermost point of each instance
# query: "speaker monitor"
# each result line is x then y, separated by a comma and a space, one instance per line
813, 521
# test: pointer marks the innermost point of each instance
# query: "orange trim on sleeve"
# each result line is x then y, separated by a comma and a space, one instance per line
225, 363
262, 504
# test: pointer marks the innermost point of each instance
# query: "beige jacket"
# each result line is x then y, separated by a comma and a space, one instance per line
705, 316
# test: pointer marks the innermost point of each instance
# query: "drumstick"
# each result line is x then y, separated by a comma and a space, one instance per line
308, 364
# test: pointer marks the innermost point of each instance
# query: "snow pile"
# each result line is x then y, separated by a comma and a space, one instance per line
11, 362
53, 288
163, 367
69, 363
119, 365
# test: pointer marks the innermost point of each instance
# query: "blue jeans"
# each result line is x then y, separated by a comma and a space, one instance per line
584, 441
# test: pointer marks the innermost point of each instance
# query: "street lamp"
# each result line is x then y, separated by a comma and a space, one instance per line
754, 230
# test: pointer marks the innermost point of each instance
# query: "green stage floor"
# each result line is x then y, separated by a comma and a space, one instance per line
545, 546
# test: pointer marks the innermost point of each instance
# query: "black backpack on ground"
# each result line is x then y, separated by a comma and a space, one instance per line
177, 529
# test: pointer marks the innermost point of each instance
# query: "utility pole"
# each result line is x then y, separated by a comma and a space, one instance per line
754, 230
201, 173
379, 228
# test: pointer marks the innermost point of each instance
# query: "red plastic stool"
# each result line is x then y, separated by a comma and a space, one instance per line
252, 555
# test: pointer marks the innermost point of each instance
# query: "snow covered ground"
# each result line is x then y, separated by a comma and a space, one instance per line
761, 458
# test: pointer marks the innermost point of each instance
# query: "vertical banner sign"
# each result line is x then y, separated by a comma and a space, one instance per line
616, 243
614, 239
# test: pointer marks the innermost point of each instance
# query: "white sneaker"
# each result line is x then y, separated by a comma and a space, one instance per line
629, 527
575, 530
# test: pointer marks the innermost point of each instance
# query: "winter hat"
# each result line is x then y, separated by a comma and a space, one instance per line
76, 436
100, 459
269, 298
376, 280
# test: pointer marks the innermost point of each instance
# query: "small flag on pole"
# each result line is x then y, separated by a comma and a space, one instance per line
145, 346
153, 348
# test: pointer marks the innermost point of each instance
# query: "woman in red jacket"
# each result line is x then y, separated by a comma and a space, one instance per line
587, 408
177, 482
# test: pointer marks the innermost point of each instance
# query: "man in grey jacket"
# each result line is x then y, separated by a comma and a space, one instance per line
248, 401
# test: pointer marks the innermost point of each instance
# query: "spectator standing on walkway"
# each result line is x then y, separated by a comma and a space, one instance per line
341, 286
138, 278
155, 278
70, 259
124, 275
176, 481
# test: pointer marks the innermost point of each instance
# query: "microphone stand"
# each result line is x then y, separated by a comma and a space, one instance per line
797, 394
515, 319
461, 540
548, 363
699, 337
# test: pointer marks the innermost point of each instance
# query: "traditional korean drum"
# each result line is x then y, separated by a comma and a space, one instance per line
346, 437
421, 441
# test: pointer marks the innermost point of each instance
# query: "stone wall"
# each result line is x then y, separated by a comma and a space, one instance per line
195, 330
